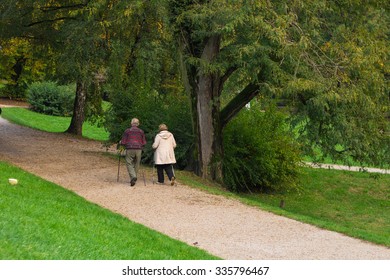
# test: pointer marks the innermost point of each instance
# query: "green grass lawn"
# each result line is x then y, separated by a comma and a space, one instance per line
43, 221
35, 120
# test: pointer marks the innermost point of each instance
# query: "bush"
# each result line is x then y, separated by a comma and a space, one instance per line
260, 153
13, 91
51, 99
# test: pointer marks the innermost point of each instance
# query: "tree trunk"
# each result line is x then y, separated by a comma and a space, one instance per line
209, 136
76, 124
205, 124
208, 120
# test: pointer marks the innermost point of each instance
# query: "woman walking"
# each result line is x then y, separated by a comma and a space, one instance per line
164, 155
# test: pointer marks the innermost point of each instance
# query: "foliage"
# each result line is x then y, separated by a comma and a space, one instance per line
260, 153
19, 66
328, 58
142, 78
339, 88
51, 99
74, 36
230, 52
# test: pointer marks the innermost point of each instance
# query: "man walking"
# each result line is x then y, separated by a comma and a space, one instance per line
134, 140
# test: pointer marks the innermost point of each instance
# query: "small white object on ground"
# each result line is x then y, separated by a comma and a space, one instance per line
13, 181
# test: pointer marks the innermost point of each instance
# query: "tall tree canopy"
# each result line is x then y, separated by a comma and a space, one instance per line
74, 34
341, 89
326, 56
221, 41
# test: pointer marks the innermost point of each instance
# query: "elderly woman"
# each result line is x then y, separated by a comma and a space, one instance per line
164, 155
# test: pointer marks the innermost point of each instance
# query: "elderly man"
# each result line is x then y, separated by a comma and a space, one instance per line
134, 140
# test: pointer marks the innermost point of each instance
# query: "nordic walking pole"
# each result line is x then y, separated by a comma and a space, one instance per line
153, 174
174, 176
119, 165
143, 175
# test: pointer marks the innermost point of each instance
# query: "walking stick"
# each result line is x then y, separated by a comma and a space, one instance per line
119, 165
153, 174
143, 175
174, 176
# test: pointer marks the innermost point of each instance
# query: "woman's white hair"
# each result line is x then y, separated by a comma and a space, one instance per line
162, 127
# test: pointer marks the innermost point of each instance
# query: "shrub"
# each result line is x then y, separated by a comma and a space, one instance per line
260, 153
51, 99
13, 91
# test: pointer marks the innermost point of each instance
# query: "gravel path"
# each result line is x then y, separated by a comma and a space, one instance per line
221, 226
348, 168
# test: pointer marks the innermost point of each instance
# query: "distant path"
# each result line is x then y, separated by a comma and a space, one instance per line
348, 168
221, 226
4, 102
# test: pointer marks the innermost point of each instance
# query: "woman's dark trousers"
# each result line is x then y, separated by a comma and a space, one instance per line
168, 169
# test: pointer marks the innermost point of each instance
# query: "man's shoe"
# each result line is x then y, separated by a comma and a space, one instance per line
173, 181
132, 182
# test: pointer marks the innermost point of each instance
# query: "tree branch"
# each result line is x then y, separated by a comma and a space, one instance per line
228, 73
238, 102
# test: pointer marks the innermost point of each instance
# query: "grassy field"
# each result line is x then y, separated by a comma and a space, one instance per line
354, 203
34, 120
43, 221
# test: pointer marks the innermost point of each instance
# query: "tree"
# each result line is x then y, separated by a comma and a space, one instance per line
241, 49
339, 83
73, 31
20, 65
221, 41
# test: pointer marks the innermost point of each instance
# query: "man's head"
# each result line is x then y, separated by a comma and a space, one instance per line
135, 122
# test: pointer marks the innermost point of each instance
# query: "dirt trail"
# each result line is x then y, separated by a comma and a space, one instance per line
221, 226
